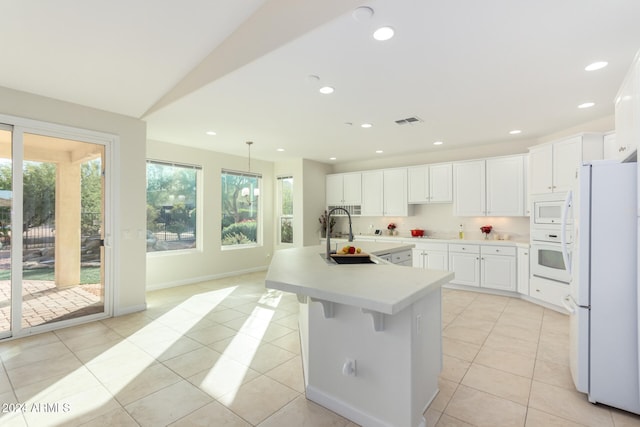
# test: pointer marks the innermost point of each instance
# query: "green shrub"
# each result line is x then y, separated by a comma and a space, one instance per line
235, 239
248, 229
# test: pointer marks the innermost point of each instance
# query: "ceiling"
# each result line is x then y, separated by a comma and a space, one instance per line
470, 70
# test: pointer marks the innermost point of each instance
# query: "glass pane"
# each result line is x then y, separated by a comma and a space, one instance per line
551, 259
62, 230
5, 231
285, 198
550, 211
240, 209
171, 207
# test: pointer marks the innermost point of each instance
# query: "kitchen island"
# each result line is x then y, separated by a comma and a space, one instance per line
370, 333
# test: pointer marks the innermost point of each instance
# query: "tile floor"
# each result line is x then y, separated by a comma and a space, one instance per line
226, 353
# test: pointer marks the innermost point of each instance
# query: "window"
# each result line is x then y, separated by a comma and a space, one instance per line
240, 208
171, 206
285, 206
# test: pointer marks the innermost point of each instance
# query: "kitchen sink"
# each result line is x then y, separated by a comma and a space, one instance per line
348, 260
353, 260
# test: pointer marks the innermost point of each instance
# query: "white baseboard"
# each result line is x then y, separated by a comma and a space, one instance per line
192, 280
128, 310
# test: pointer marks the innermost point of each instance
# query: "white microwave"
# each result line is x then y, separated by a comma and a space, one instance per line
548, 209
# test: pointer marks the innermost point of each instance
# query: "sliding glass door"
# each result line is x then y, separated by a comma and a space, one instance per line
52, 257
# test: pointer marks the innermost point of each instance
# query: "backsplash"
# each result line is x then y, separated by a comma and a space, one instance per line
438, 222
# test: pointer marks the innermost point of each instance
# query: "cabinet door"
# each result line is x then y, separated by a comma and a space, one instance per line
469, 188
395, 192
436, 260
417, 259
505, 186
540, 169
567, 157
523, 271
372, 193
466, 268
352, 188
418, 184
498, 272
441, 183
334, 194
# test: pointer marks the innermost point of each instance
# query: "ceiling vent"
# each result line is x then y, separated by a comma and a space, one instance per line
409, 121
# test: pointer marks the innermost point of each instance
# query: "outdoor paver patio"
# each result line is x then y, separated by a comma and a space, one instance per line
44, 303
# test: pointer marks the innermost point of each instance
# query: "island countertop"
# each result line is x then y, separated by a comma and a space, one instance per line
383, 287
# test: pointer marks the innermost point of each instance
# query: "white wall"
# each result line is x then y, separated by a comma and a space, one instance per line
129, 192
308, 198
171, 268
314, 200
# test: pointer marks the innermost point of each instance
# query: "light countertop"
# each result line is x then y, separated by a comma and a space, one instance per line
383, 287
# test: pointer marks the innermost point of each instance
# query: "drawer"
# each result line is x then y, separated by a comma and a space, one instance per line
498, 250
547, 291
470, 249
442, 247
401, 257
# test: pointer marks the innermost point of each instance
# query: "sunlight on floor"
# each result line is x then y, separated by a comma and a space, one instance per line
255, 326
132, 366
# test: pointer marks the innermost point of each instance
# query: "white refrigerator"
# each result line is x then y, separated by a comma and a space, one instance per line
603, 303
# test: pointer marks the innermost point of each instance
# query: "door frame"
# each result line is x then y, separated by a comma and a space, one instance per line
110, 144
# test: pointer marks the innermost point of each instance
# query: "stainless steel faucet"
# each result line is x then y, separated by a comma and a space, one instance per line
329, 229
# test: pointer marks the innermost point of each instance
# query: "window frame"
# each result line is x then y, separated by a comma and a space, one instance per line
280, 215
197, 222
259, 211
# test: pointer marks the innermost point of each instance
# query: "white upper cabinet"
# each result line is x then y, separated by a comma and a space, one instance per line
372, 193
627, 108
395, 192
491, 187
469, 188
553, 167
344, 189
384, 193
430, 183
505, 186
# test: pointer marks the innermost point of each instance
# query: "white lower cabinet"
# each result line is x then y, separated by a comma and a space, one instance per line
464, 261
523, 271
484, 266
431, 256
498, 267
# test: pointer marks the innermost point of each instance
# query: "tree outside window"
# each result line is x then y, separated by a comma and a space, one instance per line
240, 208
171, 206
285, 205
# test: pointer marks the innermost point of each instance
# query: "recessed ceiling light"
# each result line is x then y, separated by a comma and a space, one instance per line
212, 133
332, 158
362, 13
596, 66
326, 90
279, 149
515, 132
379, 151
438, 143
586, 105
383, 33
366, 125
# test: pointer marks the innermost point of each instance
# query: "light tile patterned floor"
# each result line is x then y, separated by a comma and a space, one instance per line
226, 353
